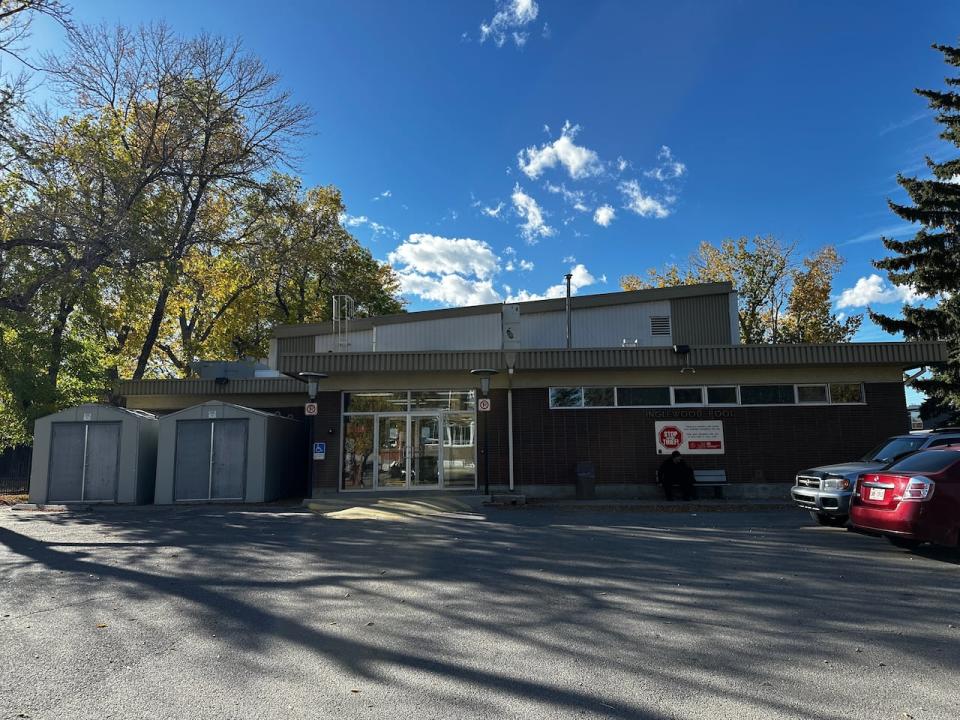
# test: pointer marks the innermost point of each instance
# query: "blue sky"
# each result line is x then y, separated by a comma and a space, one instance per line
488, 147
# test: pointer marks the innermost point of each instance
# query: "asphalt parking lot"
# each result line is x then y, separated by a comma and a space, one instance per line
210, 612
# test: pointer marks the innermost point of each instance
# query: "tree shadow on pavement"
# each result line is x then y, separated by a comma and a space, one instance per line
715, 608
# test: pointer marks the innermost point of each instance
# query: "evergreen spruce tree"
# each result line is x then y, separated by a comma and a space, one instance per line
930, 261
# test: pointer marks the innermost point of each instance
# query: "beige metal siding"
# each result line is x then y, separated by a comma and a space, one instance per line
595, 327
476, 332
355, 341
703, 320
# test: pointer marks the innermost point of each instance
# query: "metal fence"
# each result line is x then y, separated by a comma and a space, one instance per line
15, 470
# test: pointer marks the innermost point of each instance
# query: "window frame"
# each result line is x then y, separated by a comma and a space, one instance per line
736, 392
673, 396
861, 401
644, 387
826, 393
792, 386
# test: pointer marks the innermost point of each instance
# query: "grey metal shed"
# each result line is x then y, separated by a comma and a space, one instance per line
94, 453
219, 452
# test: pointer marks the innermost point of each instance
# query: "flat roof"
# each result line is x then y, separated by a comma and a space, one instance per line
577, 302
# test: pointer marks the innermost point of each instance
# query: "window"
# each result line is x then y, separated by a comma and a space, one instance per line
767, 395
688, 396
598, 397
643, 396
846, 393
894, 448
660, 325
722, 395
375, 401
932, 462
443, 399
811, 393
566, 397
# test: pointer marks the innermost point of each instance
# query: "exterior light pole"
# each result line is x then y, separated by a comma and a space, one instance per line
485, 374
312, 379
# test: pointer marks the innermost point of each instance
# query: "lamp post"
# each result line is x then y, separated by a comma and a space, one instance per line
485, 374
312, 379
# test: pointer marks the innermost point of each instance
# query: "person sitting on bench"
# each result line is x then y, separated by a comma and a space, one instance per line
673, 472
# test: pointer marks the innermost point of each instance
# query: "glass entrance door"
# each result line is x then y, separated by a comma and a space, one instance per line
425, 450
393, 467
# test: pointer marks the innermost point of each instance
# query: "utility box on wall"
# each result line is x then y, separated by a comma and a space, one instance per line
218, 452
94, 454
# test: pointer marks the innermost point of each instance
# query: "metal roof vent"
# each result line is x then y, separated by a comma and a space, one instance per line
660, 325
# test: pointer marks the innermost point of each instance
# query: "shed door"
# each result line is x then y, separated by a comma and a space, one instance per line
191, 479
103, 449
211, 459
229, 459
67, 444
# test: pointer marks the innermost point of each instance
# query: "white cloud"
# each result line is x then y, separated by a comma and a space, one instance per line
526, 265
874, 289
580, 162
448, 289
569, 260
669, 168
440, 255
892, 231
384, 194
358, 221
574, 198
508, 250
451, 271
604, 215
511, 18
534, 226
493, 212
644, 205
581, 278
622, 164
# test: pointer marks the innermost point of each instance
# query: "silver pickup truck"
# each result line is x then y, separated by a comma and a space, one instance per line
825, 491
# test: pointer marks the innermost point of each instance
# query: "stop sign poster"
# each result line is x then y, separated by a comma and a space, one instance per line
690, 437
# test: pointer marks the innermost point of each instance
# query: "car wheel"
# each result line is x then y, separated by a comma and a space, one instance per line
828, 520
902, 542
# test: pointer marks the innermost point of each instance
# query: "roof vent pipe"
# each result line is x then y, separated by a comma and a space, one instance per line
568, 276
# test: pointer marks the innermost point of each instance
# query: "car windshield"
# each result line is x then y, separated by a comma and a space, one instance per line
931, 461
893, 448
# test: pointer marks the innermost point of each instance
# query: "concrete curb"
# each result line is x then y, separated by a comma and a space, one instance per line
648, 506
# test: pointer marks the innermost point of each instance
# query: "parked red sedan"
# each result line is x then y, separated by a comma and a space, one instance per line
913, 501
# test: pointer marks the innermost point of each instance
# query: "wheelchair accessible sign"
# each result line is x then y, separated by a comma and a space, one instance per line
319, 451
699, 437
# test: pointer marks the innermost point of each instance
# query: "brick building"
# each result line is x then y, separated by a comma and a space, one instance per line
615, 381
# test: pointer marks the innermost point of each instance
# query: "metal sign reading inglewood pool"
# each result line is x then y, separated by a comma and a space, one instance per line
700, 437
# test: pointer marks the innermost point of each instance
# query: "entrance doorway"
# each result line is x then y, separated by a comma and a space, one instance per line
418, 449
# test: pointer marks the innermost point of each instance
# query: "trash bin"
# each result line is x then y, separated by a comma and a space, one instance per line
586, 480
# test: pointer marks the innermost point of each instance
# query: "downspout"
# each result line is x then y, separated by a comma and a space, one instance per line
568, 277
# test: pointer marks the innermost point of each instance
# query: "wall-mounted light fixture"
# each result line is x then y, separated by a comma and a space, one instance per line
484, 374
312, 379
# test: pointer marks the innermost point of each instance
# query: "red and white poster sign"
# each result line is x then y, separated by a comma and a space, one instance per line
690, 437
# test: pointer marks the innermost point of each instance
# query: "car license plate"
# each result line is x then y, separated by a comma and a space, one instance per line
876, 493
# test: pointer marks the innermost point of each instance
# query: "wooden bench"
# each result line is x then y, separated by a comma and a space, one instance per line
715, 479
